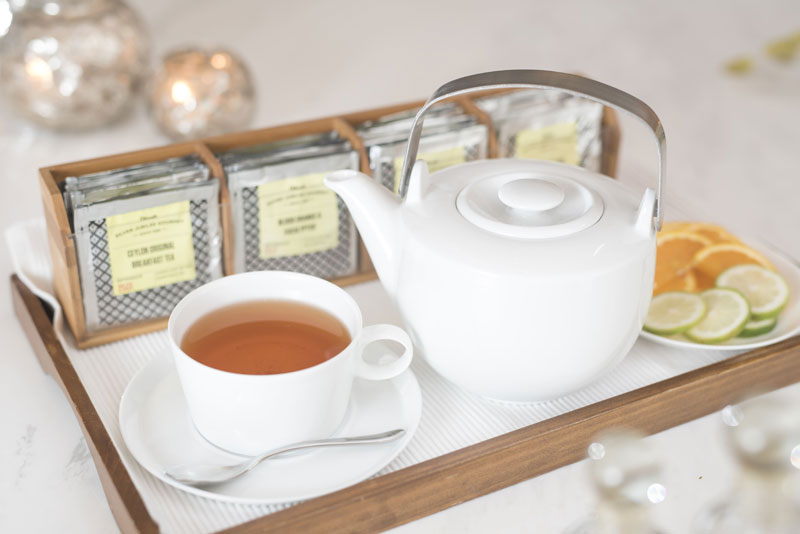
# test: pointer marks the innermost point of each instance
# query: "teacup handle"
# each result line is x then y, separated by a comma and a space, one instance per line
383, 370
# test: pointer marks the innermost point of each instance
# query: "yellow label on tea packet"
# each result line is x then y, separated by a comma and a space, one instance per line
297, 216
436, 160
556, 142
150, 248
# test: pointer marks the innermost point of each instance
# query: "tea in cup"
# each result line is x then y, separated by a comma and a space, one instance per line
268, 358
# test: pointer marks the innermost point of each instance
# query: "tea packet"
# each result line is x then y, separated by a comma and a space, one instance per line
284, 217
547, 125
138, 179
398, 125
449, 137
144, 238
282, 150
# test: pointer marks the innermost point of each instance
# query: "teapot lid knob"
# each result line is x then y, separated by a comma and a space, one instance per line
531, 194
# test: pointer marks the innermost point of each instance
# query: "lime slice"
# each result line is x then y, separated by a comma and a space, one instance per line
674, 312
758, 327
728, 312
766, 290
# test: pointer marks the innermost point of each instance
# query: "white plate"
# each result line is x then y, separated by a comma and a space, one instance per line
788, 321
157, 429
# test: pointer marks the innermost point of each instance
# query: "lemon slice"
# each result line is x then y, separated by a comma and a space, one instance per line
728, 312
674, 312
766, 290
758, 327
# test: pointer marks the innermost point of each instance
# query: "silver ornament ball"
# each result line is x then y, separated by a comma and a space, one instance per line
73, 64
197, 93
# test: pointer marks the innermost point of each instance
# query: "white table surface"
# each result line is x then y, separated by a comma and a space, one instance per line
733, 159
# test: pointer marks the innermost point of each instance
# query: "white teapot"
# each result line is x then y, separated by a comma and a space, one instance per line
519, 280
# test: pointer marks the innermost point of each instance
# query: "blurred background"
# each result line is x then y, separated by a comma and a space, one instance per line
722, 75
311, 59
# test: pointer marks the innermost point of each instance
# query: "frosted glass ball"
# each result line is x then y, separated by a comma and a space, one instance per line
764, 431
625, 468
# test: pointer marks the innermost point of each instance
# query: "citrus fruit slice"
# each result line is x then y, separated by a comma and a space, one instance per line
702, 281
674, 254
674, 312
674, 226
758, 327
727, 313
711, 261
766, 290
716, 233
684, 282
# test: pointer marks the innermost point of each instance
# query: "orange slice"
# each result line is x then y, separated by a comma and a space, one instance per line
716, 233
702, 280
685, 282
674, 255
711, 261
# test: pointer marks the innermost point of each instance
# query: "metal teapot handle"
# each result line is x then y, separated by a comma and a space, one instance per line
570, 83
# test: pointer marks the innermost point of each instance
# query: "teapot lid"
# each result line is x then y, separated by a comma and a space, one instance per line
529, 205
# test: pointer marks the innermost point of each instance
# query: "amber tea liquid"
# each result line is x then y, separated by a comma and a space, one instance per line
264, 337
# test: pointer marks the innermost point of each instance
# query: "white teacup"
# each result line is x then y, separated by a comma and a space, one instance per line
250, 414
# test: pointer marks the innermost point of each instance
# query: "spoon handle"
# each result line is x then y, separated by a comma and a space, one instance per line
381, 437
201, 474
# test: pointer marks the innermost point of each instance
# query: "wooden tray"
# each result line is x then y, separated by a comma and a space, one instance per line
402, 496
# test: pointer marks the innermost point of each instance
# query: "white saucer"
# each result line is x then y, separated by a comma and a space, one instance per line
788, 320
157, 429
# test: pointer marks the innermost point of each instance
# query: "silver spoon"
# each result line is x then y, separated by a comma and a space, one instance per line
202, 474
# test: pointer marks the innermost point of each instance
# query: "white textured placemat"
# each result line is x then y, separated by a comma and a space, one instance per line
451, 418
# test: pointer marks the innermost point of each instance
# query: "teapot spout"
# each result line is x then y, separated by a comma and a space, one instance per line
376, 212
